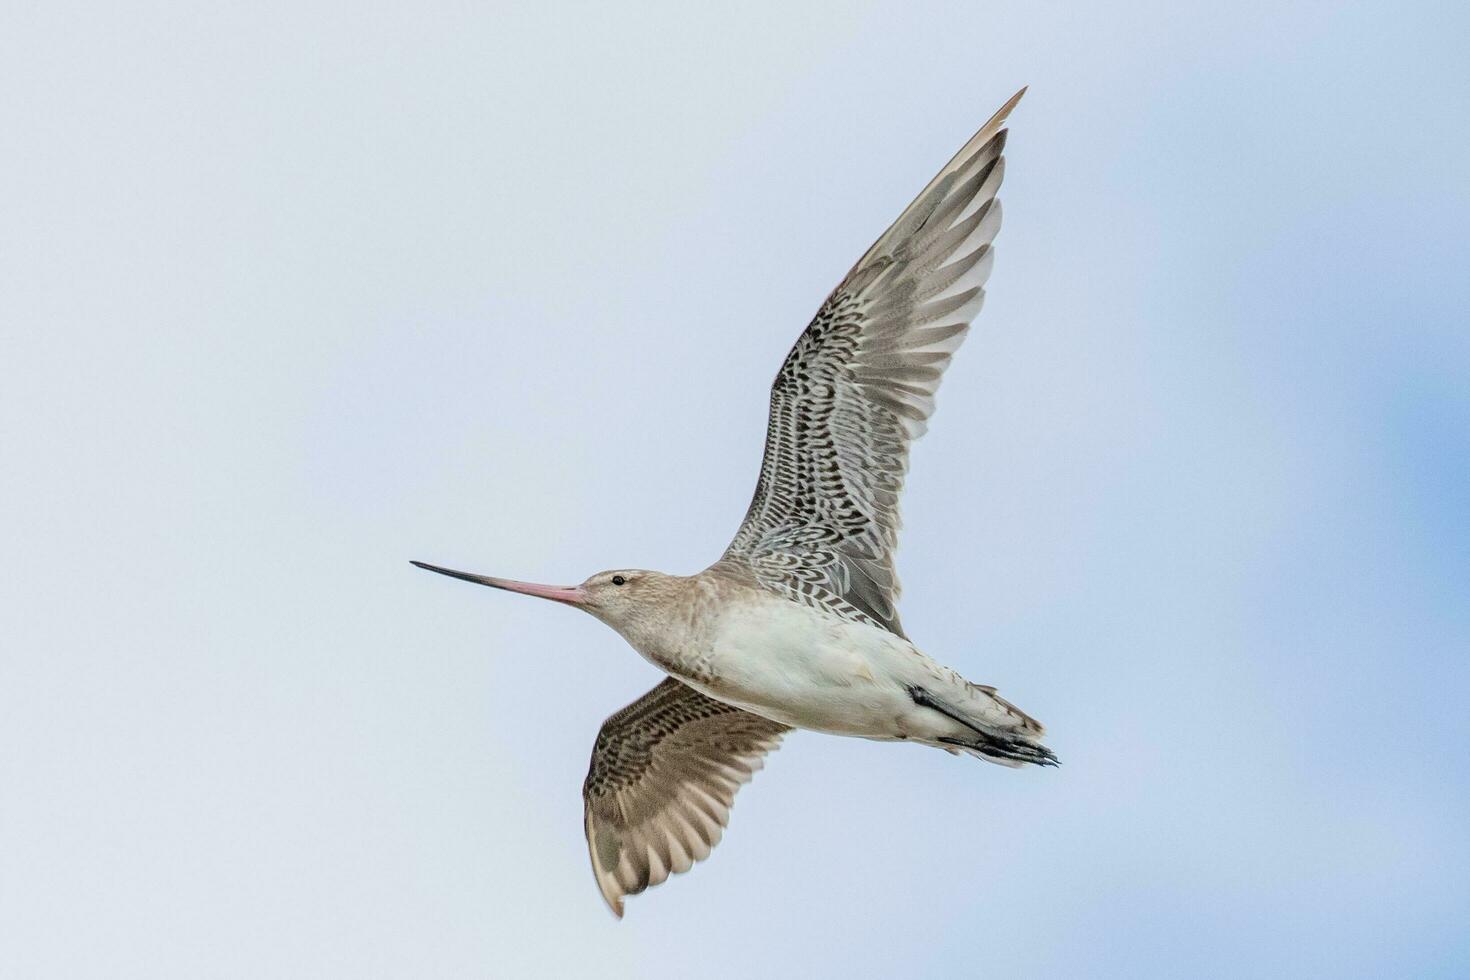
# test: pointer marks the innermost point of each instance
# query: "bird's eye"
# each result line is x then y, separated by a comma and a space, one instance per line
619, 580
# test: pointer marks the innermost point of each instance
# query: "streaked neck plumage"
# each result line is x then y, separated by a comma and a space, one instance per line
664, 617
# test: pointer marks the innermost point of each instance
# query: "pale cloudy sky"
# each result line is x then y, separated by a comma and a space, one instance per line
292, 293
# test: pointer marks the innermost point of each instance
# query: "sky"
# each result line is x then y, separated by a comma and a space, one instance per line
293, 293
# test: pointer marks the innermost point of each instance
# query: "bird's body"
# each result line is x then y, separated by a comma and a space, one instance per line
805, 667
796, 625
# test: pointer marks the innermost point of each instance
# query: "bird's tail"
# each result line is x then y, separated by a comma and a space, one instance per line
988, 727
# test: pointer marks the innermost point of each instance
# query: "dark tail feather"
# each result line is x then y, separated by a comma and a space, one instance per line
1006, 751
1013, 746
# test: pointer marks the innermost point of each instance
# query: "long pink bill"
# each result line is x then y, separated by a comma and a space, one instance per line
572, 595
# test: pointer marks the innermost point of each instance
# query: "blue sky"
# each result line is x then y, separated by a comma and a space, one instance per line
294, 293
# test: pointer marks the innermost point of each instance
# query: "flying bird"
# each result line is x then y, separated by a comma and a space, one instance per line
796, 625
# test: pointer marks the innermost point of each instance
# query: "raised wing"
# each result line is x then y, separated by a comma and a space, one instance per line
664, 774
859, 387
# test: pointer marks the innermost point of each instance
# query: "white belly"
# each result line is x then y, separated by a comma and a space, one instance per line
810, 669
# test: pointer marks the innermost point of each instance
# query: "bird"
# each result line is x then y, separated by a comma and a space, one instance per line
796, 625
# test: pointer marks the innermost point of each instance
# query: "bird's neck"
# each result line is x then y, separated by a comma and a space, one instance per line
676, 627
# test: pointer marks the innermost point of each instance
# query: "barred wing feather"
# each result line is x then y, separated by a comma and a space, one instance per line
663, 778
858, 388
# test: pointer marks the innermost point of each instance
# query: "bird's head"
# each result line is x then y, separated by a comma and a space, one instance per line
621, 598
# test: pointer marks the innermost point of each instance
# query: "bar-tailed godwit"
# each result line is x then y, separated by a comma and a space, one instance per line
796, 625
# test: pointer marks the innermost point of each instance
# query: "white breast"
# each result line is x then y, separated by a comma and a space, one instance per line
808, 668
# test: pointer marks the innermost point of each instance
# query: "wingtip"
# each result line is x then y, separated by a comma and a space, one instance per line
613, 899
607, 885
1000, 115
